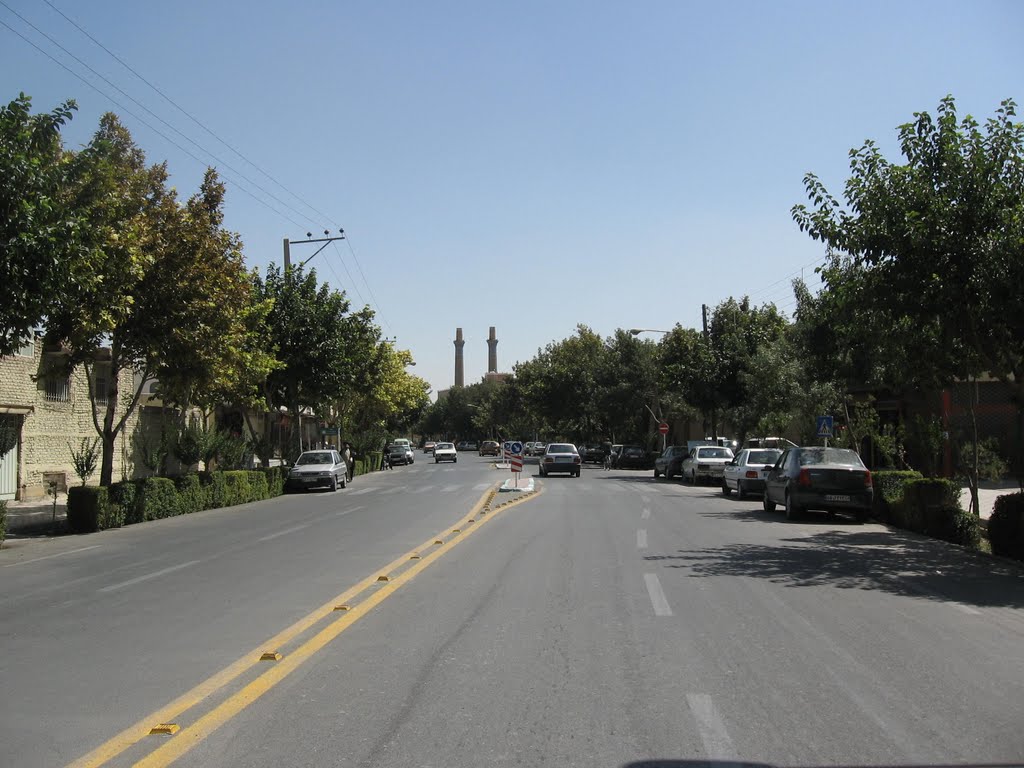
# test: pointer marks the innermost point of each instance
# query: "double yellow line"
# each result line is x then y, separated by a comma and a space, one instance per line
387, 580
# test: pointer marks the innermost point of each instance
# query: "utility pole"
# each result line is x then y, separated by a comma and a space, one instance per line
707, 340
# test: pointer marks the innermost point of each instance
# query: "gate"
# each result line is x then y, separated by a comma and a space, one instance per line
9, 431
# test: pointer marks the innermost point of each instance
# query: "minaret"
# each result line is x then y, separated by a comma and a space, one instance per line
492, 352
460, 371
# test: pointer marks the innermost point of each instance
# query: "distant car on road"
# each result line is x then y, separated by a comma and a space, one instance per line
536, 449
445, 452
401, 454
318, 469
561, 457
428, 447
706, 463
632, 457
490, 448
829, 479
747, 472
670, 462
467, 445
594, 453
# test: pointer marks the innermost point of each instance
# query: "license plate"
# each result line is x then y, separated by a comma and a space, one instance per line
836, 497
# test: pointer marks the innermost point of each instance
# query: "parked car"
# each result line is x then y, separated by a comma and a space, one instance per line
593, 453
706, 463
400, 453
561, 457
829, 479
490, 448
467, 445
537, 449
445, 452
611, 460
747, 472
428, 447
769, 442
632, 457
318, 469
670, 462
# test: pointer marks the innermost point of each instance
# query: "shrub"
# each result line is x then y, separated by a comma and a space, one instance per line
275, 480
932, 507
237, 488
87, 505
3, 521
123, 497
85, 459
259, 488
158, 498
191, 496
889, 490
1006, 526
188, 444
216, 489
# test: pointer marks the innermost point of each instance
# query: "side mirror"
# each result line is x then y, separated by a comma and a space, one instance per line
769, 467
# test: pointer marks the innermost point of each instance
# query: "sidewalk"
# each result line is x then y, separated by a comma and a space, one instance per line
36, 518
988, 492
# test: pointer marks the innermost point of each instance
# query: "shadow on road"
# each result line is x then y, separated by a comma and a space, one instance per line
896, 562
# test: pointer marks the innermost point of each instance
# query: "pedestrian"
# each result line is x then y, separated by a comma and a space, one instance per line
385, 458
350, 470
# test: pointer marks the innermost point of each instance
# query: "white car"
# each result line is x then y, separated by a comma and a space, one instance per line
318, 469
705, 462
748, 471
445, 452
561, 457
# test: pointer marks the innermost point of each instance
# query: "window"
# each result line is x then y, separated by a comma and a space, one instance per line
28, 349
99, 388
57, 389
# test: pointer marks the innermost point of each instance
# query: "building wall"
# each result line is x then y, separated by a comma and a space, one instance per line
53, 424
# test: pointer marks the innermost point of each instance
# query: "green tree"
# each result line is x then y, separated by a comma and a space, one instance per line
37, 227
932, 250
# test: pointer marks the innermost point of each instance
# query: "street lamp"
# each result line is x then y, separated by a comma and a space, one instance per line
638, 331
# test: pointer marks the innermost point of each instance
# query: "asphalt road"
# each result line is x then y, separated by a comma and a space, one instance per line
609, 620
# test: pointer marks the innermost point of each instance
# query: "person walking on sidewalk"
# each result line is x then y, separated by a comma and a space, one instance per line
350, 470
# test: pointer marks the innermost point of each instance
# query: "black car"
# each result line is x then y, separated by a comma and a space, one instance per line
670, 462
632, 457
829, 479
594, 453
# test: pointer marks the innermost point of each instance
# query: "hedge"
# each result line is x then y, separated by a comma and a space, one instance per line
888, 486
1006, 526
275, 480
932, 506
89, 509
3, 521
122, 501
158, 498
191, 495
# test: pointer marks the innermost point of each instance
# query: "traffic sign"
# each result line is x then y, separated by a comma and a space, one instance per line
517, 463
663, 428
517, 448
824, 426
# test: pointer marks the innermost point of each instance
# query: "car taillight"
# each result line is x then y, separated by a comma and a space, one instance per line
576, 460
867, 478
751, 474
805, 477
548, 460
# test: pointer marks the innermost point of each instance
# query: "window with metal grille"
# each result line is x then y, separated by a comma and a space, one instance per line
57, 389
99, 390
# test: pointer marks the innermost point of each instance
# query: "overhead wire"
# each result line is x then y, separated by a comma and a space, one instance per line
199, 123
149, 125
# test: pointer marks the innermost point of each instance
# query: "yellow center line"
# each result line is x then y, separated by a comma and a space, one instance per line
141, 729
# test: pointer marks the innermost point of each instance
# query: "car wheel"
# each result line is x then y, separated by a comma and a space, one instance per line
740, 491
768, 504
792, 510
334, 482
437, 461
344, 483
455, 460
861, 516
726, 490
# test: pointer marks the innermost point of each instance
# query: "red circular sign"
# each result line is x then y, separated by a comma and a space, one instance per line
663, 428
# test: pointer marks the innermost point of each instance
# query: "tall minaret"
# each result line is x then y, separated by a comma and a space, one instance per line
460, 371
492, 352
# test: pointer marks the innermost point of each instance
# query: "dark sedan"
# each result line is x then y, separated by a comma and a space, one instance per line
670, 462
632, 457
829, 479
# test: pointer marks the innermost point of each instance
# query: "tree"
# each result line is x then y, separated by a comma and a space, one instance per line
933, 248
37, 227
627, 381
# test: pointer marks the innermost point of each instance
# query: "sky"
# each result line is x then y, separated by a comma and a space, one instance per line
531, 166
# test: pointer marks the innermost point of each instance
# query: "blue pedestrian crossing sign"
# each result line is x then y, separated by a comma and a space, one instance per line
824, 428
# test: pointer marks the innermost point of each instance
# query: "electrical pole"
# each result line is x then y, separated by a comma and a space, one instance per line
707, 341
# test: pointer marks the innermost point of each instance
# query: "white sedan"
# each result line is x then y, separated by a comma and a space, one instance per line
747, 472
705, 462
445, 452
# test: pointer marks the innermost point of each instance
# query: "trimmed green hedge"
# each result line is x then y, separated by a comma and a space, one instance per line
3, 521
889, 490
89, 509
92, 508
1006, 526
932, 506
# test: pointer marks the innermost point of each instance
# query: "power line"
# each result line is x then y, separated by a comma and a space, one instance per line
788, 277
158, 118
185, 112
352, 282
153, 128
373, 298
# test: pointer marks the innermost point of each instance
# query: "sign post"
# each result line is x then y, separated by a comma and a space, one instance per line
824, 428
516, 450
663, 429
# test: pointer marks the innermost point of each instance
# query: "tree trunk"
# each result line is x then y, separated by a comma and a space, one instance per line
972, 470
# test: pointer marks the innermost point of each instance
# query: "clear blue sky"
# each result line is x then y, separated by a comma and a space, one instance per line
527, 165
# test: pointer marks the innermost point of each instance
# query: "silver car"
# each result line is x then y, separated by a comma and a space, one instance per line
705, 462
318, 469
748, 471
561, 457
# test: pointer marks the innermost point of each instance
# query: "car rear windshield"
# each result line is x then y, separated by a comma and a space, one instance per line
632, 450
315, 458
714, 453
763, 457
561, 448
842, 456
444, 446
